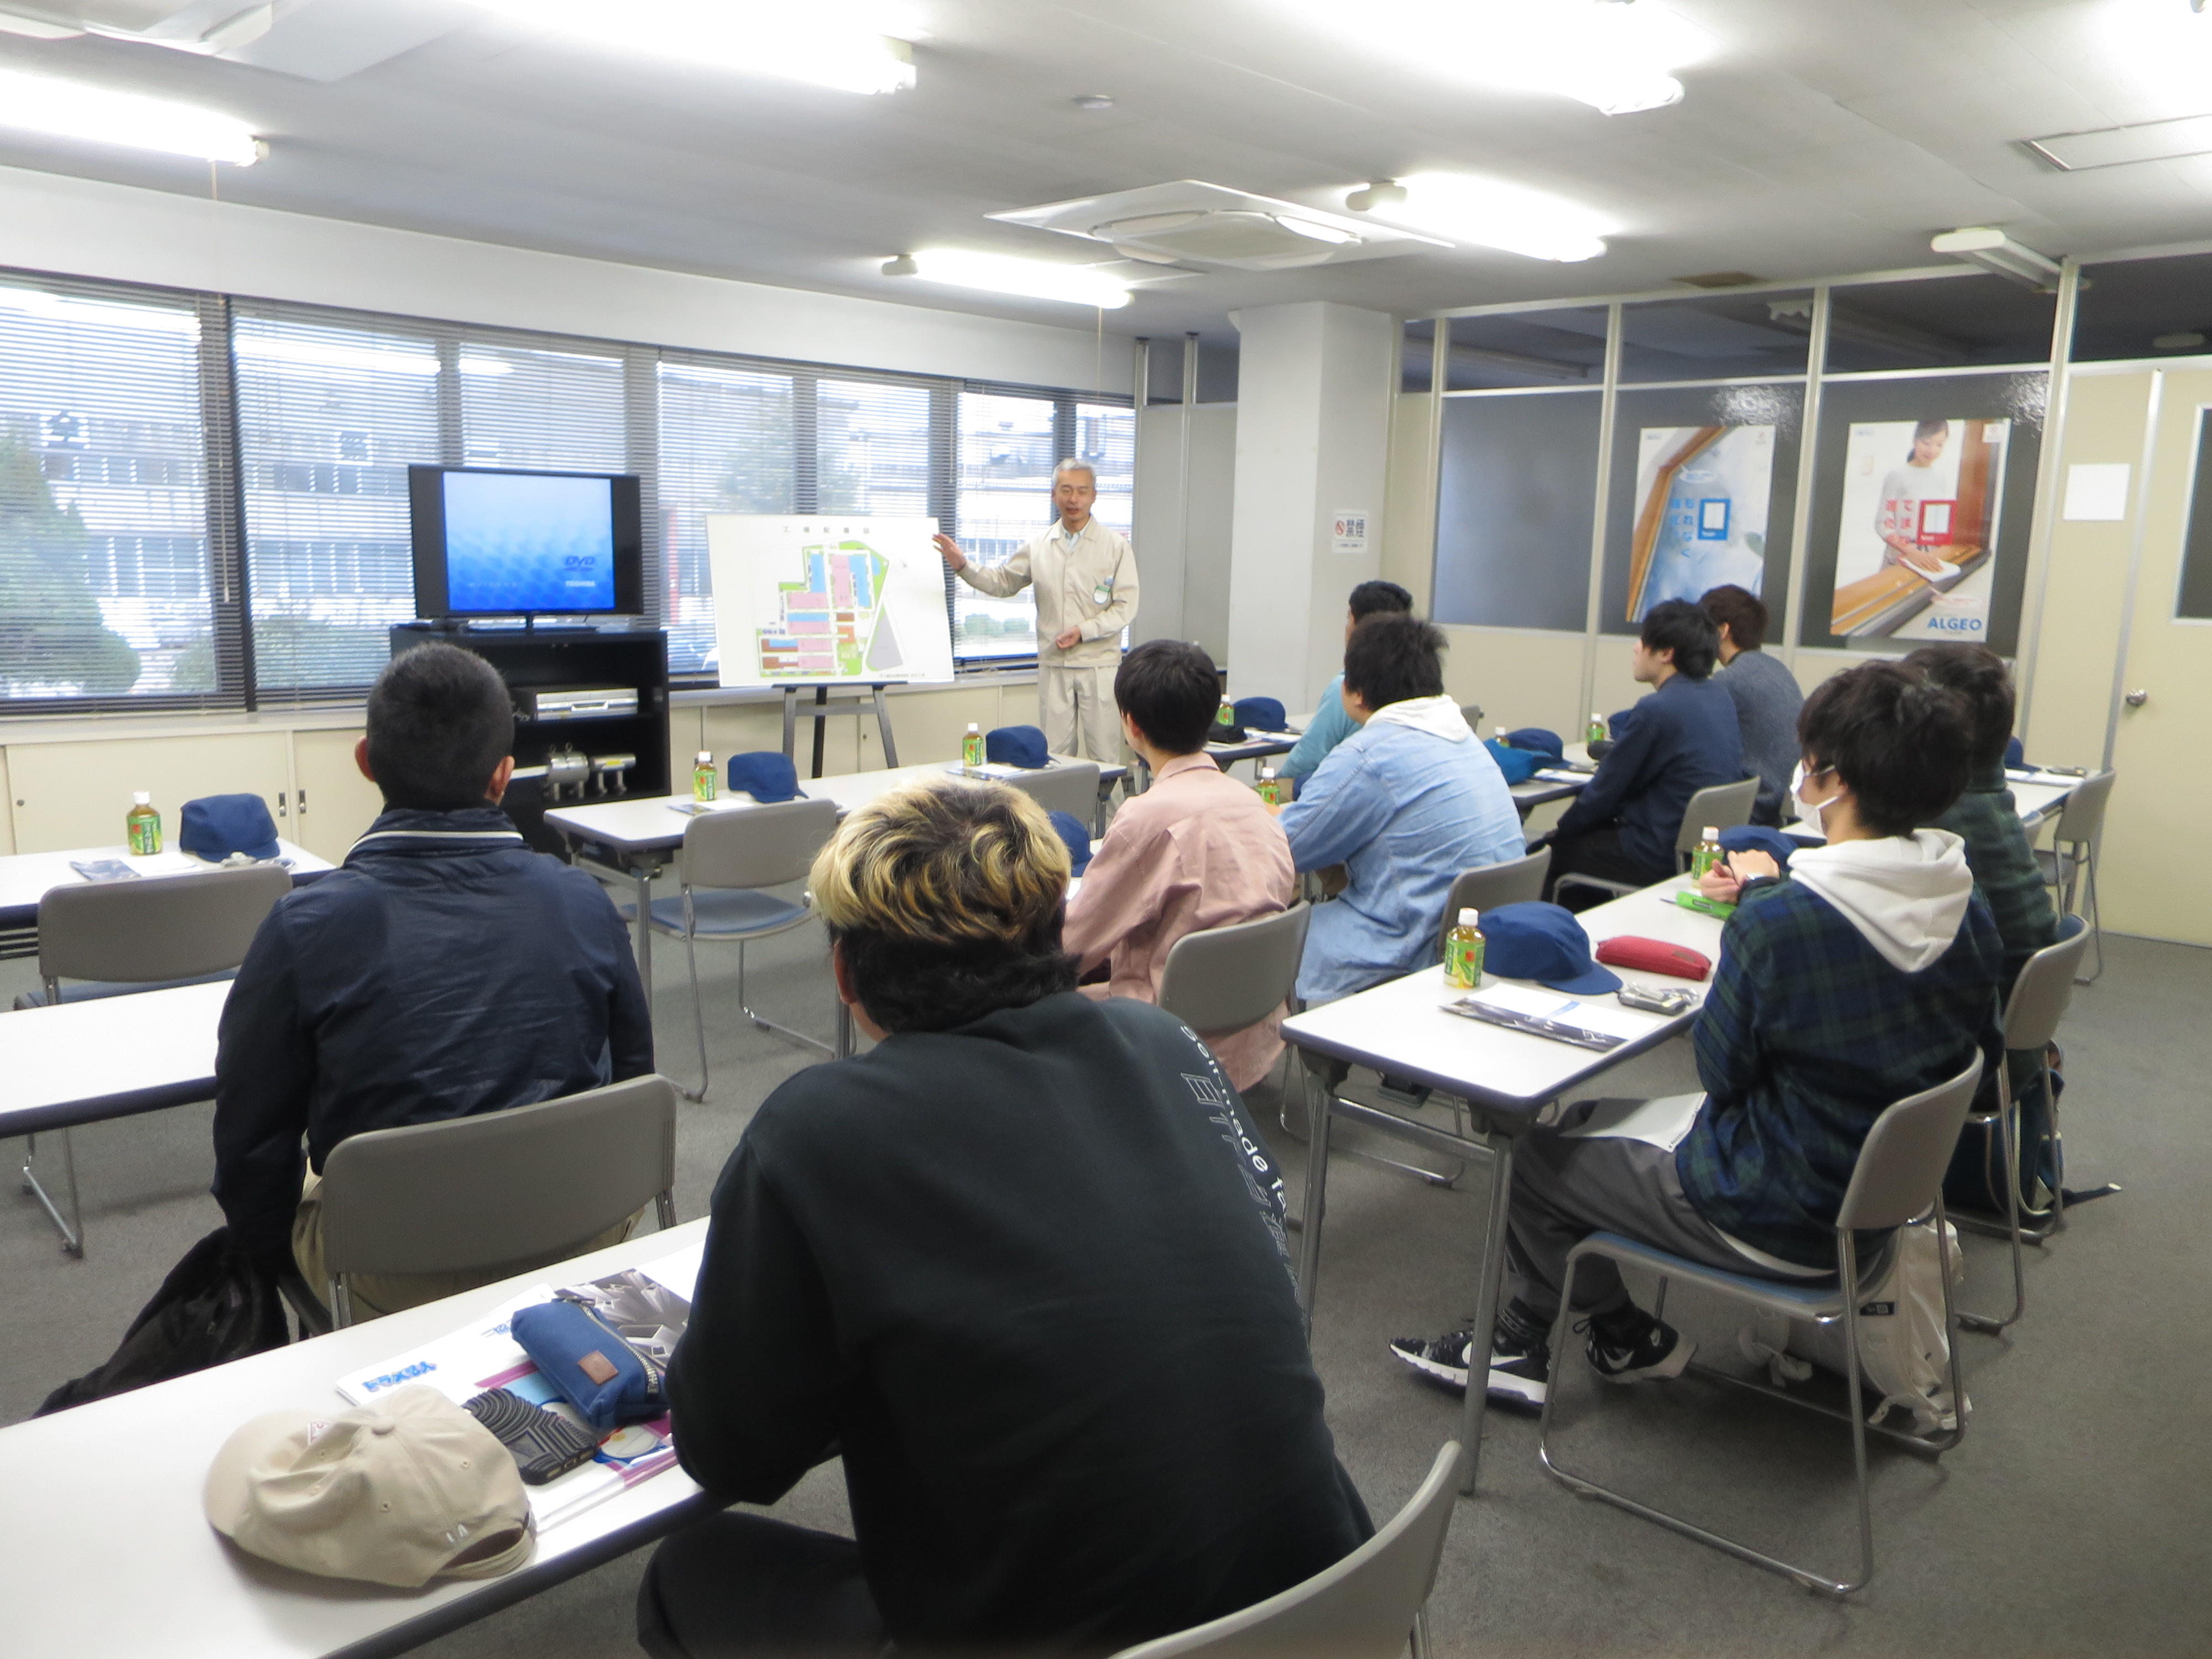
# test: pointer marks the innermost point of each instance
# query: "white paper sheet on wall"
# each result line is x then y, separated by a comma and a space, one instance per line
2097, 492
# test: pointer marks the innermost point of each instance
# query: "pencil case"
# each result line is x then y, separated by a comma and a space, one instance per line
605, 1379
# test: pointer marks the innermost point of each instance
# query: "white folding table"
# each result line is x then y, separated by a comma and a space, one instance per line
26, 877
1506, 1077
112, 1557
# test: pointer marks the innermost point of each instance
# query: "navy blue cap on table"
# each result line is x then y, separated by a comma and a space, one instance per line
1540, 739
1545, 943
1016, 745
1756, 838
1259, 713
215, 826
766, 775
1515, 765
1077, 833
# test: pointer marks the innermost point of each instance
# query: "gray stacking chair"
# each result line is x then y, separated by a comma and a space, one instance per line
1718, 806
1069, 787
1899, 1178
1486, 886
143, 935
2032, 1013
1221, 980
1365, 1607
2069, 865
728, 857
499, 1190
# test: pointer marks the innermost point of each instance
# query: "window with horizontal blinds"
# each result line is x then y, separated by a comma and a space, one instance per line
1006, 452
1106, 441
106, 589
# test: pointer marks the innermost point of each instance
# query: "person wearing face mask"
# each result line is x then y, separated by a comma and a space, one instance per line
1869, 973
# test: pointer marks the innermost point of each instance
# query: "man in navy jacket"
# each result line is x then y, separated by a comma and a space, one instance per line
443, 970
1682, 738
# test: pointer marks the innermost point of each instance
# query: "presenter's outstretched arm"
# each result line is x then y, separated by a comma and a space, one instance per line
949, 551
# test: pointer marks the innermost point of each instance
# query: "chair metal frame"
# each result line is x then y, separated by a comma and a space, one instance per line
2070, 872
2039, 1000
149, 933
758, 820
651, 1099
1329, 1612
1715, 805
1928, 1124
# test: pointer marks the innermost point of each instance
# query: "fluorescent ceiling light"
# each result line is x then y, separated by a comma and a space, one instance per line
841, 44
1491, 214
999, 273
1613, 55
1995, 252
77, 109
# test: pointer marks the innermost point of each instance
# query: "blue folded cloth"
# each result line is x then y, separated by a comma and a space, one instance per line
1016, 745
766, 775
1077, 833
215, 826
1519, 765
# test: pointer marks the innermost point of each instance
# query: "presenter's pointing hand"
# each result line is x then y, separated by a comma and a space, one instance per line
950, 551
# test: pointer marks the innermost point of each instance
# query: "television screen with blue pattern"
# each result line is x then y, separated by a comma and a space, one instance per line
491, 542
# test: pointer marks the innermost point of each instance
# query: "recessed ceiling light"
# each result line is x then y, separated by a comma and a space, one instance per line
1094, 102
1491, 214
839, 43
1616, 57
1001, 273
100, 115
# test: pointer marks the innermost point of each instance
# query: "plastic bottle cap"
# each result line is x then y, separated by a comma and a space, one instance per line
1468, 918
974, 726
1711, 834
142, 799
705, 758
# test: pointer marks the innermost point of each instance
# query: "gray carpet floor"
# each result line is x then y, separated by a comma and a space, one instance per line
2072, 1519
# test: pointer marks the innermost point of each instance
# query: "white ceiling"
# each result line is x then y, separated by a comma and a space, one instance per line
1819, 137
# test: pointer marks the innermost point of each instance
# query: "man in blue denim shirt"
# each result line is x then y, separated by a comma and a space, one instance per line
1331, 725
444, 969
1405, 804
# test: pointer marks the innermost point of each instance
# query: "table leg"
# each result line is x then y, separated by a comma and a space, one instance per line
643, 872
1318, 1119
1488, 1274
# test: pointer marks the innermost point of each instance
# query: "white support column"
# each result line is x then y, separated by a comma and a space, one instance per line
1313, 385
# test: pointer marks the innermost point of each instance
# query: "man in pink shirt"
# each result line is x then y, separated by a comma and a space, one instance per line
1196, 850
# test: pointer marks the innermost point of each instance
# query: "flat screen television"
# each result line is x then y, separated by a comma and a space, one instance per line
493, 542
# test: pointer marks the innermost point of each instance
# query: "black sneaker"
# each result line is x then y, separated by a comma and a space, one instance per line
1629, 1345
1520, 1359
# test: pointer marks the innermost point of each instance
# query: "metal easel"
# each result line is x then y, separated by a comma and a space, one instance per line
822, 709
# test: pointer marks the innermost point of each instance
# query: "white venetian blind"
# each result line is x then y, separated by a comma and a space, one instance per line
1004, 501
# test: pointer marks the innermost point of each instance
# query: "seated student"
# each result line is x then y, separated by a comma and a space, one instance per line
1331, 725
1985, 816
1683, 737
1867, 974
444, 970
1764, 693
1405, 804
1195, 850
1023, 1266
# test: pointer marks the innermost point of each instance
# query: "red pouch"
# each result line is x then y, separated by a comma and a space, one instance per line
1653, 955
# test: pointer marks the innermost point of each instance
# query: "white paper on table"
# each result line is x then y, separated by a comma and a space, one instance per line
678, 1270
1608, 1018
1661, 1123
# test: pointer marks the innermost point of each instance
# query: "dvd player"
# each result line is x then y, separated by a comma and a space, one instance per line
597, 702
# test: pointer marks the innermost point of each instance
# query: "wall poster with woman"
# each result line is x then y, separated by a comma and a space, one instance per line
1919, 520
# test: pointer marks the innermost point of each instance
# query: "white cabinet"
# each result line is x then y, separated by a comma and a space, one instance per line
335, 804
65, 795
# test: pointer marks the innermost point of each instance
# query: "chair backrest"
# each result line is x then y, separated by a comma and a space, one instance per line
1069, 787
158, 927
1223, 979
2082, 817
2044, 987
1471, 714
1360, 1608
1720, 806
472, 1192
1902, 1163
1486, 886
757, 846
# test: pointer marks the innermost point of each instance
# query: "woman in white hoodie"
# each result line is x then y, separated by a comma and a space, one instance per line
1865, 973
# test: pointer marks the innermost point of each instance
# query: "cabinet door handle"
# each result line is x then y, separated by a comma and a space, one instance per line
2136, 699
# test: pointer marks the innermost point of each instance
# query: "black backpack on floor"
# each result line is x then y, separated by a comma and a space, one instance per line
214, 1306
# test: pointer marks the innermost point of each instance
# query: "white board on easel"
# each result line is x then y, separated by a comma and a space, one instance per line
828, 599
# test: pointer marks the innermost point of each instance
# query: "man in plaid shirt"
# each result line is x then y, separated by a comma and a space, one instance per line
1867, 974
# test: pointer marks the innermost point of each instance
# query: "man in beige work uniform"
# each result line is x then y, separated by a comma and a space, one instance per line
1087, 594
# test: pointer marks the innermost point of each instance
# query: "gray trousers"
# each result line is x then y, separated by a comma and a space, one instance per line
1566, 1187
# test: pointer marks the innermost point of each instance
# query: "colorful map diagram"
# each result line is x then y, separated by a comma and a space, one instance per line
834, 622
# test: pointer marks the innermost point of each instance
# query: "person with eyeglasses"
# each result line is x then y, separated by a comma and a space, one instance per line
1865, 973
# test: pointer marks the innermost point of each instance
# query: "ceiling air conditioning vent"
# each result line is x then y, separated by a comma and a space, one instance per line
1190, 223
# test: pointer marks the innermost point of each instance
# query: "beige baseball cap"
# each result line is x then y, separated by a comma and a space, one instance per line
410, 1489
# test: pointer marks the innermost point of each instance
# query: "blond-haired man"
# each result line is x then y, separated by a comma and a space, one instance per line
1022, 1265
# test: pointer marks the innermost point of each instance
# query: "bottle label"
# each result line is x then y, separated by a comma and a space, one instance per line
1271, 791
704, 783
1463, 961
1708, 854
971, 751
1224, 716
145, 831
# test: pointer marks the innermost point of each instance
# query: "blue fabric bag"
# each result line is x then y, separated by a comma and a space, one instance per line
766, 775
1519, 765
605, 1378
215, 826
